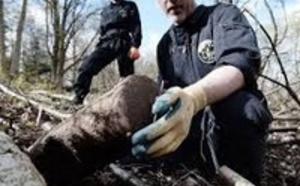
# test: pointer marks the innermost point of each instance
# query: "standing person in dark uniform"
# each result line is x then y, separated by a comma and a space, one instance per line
120, 38
209, 62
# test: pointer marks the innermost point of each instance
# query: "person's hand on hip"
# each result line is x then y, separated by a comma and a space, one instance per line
134, 53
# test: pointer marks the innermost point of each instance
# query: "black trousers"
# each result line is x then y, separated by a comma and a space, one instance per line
105, 52
241, 123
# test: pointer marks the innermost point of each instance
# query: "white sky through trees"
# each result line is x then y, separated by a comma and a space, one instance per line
155, 23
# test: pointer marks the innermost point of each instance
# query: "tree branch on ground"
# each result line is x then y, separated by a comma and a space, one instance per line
125, 176
51, 95
35, 104
284, 129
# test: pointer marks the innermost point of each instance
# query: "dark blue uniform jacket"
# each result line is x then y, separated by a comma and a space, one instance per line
212, 36
121, 19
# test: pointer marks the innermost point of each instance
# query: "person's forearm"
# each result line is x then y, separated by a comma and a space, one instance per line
221, 82
137, 36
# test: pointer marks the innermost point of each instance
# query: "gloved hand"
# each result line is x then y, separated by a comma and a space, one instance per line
133, 53
175, 110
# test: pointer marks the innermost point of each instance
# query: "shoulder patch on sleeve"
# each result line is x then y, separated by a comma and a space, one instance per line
206, 51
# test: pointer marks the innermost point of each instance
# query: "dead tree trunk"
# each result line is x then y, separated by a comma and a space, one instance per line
16, 53
97, 134
4, 66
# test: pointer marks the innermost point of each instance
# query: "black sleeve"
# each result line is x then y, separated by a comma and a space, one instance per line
102, 27
160, 65
162, 55
235, 42
135, 26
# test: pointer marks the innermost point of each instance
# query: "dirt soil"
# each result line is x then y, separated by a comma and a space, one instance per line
282, 158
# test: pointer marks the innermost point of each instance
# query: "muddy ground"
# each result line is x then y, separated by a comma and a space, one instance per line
19, 120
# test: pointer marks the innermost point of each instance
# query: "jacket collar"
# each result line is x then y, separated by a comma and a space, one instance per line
192, 21
116, 3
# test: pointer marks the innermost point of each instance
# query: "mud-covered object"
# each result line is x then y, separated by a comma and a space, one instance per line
96, 134
16, 169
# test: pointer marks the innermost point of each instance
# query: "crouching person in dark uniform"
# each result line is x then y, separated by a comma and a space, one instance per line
209, 61
120, 38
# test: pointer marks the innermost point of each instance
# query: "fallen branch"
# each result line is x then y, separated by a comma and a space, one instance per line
51, 95
47, 126
284, 129
191, 178
232, 178
126, 176
190, 181
281, 143
200, 179
39, 116
35, 104
286, 118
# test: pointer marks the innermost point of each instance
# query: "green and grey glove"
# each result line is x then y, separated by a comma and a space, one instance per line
175, 108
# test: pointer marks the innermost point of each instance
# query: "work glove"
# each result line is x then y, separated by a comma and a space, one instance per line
175, 110
133, 53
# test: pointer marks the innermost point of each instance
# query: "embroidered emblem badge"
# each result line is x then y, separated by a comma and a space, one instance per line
123, 13
206, 51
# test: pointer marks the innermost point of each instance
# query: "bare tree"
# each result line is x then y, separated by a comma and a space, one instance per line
64, 22
16, 52
286, 85
278, 41
2, 40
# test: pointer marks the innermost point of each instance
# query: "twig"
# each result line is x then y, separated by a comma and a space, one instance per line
279, 88
201, 179
286, 118
286, 86
47, 126
125, 176
281, 143
233, 178
284, 129
54, 113
39, 116
194, 174
45, 93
